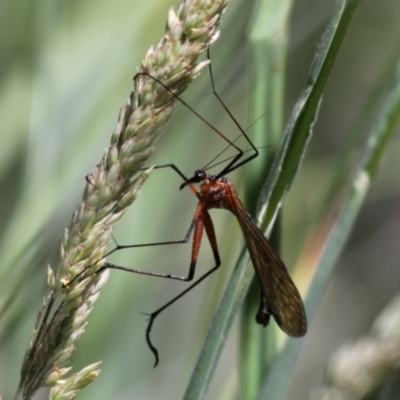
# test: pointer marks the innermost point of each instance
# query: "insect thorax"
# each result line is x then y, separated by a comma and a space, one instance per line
216, 192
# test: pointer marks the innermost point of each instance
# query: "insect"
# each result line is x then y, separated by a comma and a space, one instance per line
279, 295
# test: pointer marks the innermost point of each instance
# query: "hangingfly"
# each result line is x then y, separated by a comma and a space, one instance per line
279, 296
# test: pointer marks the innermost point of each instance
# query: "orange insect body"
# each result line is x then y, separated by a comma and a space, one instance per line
280, 297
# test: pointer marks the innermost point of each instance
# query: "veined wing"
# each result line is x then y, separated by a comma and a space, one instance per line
282, 297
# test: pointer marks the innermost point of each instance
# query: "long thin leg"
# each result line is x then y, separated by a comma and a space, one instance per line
121, 247
204, 221
173, 167
233, 164
189, 277
198, 228
178, 98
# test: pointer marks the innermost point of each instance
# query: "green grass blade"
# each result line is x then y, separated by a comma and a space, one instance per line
268, 41
285, 166
343, 209
299, 128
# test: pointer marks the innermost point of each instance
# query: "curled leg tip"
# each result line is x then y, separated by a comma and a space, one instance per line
156, 359
148, 340
154, 351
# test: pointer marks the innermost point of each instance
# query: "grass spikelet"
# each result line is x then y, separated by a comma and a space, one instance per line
109, 190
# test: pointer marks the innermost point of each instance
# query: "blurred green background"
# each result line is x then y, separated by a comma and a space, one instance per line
66, 68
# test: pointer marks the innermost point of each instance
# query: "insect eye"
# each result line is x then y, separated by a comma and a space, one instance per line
223, 179
200, 174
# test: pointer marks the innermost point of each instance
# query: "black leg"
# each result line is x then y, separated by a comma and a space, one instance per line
155, 314
203, 221
119, 247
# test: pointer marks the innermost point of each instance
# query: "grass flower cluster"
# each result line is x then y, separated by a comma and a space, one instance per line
109, 190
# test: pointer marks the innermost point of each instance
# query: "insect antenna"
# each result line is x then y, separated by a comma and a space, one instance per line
234, 163
209, 166
189, 107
